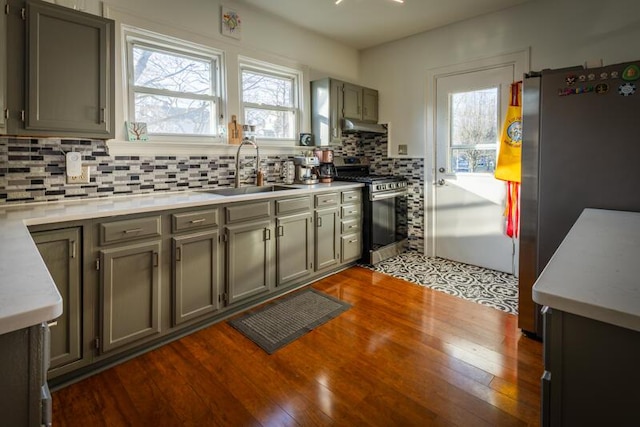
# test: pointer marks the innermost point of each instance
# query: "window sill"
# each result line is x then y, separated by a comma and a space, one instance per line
158, 148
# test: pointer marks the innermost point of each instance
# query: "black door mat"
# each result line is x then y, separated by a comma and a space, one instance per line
287, 319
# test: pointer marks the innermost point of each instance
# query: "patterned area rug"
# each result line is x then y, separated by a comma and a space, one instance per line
483, 286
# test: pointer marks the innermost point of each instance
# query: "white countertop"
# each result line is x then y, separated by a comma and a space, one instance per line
595, 273
28, 295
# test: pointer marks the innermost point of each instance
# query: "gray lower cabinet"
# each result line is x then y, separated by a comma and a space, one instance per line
591, 372
60, 63
294, 248
196, 275
351, 226
249, 249
132, 281
25, 399
61, 252
327, 234
130, 293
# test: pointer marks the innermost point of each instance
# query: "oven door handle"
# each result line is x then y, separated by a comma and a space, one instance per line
388, 195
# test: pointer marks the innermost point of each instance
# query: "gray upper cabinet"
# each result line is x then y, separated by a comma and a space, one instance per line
326, 111
370, 105
360, 103
3, 73
61, 73
352, 96
332, 101
61, 252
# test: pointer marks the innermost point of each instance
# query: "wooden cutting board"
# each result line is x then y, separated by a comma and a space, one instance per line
235, 131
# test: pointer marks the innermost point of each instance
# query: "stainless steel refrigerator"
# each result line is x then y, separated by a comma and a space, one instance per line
580, 148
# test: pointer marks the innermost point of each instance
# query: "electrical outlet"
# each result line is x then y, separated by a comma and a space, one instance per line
402, 149
81, 179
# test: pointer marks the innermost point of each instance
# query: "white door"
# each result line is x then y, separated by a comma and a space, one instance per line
469, 201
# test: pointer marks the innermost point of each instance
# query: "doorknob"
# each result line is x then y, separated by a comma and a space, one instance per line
439, 182
441, 170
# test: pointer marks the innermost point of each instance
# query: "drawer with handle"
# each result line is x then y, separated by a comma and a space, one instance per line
351, 246
350, 226
329, 199
130, 229
296, 204
192, 220
351, 196
351, 211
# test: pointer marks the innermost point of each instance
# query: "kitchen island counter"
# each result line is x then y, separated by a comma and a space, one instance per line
594, 273
28, 295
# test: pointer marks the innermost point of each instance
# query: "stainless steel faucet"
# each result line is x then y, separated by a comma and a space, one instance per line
246, 141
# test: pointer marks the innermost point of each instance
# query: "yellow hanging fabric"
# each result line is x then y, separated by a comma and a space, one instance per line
508, 167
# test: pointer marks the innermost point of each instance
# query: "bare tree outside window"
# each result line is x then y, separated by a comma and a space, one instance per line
173, 92
269, 103
474, 131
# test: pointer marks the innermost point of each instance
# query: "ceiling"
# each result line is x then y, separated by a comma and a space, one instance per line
366, 23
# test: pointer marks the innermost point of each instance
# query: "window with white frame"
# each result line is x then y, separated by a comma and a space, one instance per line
173, 86
270, 98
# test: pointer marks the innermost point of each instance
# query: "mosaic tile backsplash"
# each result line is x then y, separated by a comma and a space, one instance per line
33, 170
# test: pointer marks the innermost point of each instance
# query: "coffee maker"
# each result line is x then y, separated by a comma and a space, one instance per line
305, 169
326, 170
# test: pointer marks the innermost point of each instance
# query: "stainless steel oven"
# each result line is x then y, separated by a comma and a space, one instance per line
384, 223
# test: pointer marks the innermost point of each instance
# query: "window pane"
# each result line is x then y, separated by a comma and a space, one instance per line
270, 123
472, 160
267, 89
165, 114
169, 71
474, 117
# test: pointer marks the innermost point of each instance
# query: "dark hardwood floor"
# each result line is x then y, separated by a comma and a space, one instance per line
403, 355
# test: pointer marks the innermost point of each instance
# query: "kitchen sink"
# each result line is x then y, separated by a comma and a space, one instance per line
252, 189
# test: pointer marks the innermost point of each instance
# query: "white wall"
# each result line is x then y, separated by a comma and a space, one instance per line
264, 37
560, 33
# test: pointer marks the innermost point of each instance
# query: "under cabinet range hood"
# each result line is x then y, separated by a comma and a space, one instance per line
353, 126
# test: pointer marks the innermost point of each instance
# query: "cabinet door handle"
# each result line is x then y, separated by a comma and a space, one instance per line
73, 248
353, 241
267, 234
52, 324
197, 221
319, 222
280, 231
103, 113
178, 253
156, 259
133, 230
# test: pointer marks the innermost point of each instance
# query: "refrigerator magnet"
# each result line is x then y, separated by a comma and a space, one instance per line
614, 74
631, 73
571, 79
627, 89
602, 88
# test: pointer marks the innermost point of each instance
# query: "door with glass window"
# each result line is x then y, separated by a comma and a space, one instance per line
469, 201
